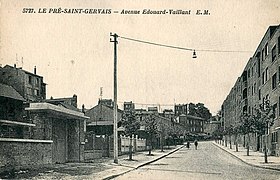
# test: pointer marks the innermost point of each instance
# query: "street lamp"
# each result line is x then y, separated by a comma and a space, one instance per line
194, 54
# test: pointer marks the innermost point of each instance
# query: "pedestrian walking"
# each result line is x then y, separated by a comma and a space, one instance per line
188, 144
195, 144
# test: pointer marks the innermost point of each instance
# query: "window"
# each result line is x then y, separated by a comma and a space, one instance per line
274, 138
36, 81
36, 92
279, 45
266, 49
263, 77
248, 73
266, 74
279, 106
262, 54
249, 90
274, 81
29, 79
259, 65
274, 110
273, 52
279, 74
29, 91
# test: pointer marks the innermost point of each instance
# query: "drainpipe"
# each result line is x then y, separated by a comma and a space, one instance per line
79, 141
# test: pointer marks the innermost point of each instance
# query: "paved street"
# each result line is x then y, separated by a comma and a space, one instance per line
208, 162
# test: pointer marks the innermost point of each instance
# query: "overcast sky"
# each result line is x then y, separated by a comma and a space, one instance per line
74, 54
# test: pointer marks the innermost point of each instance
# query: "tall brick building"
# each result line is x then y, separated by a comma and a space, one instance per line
260, 80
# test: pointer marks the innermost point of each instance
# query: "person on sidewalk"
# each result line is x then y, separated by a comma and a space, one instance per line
195, 144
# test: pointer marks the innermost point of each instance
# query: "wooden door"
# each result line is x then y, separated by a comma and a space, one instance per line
59, 141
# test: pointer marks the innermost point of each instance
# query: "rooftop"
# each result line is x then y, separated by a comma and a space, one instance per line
9, 92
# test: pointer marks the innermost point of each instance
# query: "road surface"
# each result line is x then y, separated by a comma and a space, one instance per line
207, 162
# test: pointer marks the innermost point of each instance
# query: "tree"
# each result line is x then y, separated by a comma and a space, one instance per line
203, 111
151, 127
199, 110
192, 109
229, 131
236, 131
264, 119
131, 125
218, 133
247, 127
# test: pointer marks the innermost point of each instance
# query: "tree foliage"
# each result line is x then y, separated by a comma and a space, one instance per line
199, 110
247, 124
218, 133
130, 123
151, 124
264, 117
151, 127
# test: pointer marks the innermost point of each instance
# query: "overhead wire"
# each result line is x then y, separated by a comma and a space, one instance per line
182, 48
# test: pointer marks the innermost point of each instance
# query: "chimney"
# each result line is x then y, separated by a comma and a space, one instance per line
34, 69
15, 66
74, 100
83, 108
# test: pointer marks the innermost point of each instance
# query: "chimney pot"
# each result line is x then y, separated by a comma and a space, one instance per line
15, 65
34, 69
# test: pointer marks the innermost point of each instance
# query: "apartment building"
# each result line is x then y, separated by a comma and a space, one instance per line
29, 85
259, 81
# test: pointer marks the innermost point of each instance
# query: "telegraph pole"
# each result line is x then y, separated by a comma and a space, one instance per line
115, 41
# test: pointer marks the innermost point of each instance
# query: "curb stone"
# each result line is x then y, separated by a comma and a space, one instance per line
144, 164
250, 164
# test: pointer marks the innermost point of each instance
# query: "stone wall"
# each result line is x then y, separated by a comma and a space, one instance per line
19, 153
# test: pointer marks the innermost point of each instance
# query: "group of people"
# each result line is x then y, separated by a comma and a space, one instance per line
195, 144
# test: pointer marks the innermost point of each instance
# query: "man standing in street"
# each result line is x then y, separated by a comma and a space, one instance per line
195, 144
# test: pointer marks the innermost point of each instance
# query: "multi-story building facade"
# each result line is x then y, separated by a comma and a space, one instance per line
181, 109
259, 81
29, 85
168, 113
128, 106
192, 124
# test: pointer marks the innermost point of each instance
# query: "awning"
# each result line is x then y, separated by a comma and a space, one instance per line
56, 111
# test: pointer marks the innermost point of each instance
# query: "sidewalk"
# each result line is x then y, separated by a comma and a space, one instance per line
98, 169
139, 160
255, 159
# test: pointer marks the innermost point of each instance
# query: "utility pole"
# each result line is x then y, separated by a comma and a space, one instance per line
115, 41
